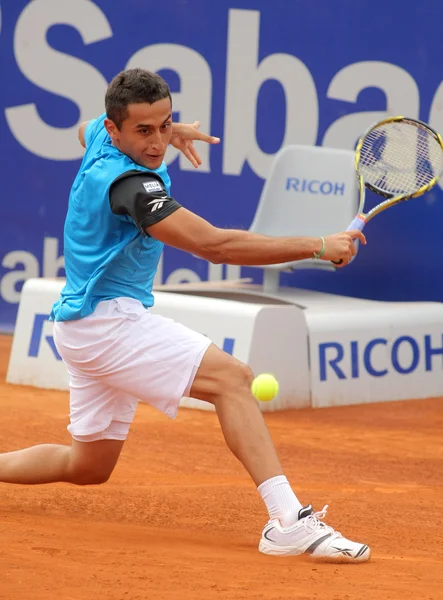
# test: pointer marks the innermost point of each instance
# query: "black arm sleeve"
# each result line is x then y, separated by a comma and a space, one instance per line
142, 196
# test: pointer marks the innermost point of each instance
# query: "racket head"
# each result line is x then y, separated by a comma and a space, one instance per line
398, 158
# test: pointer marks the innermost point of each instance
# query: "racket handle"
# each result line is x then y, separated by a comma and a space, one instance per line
358, 223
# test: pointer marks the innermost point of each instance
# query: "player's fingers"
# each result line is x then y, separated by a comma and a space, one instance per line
356, 233
195, 154
203, 137
346, 255
190, 146
346, 259
187, 152
196, 124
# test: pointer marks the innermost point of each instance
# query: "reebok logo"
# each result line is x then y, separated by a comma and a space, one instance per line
266, 535
152, 186
158, 203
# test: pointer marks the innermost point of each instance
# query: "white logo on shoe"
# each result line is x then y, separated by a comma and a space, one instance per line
267, 536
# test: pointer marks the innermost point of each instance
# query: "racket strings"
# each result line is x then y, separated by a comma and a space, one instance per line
400, 157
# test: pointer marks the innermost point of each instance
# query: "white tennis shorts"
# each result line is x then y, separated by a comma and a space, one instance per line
120, 355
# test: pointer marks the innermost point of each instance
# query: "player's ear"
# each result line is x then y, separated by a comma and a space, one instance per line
112, 129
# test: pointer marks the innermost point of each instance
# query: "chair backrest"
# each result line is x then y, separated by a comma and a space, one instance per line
310, 190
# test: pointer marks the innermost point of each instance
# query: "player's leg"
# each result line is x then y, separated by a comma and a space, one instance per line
100, 418
225, 382
82, 463
292, 529
107, 355
158, 361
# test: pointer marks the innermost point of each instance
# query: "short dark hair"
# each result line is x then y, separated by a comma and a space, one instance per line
133, 86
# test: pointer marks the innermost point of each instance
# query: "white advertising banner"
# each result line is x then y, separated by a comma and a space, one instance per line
390, 351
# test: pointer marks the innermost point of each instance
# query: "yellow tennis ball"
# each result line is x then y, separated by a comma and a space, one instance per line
265, 387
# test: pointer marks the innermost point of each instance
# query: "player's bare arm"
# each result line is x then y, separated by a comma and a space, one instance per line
143, 197
187, 231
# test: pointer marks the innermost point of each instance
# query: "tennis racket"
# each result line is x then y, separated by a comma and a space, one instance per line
398, 158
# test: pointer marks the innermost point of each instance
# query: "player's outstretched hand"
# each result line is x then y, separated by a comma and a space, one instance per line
340, 247
183, 137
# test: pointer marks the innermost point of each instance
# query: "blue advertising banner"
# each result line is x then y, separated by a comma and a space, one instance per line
260, 75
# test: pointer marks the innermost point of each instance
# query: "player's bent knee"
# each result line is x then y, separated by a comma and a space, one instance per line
232, 380
245, 375
234, 385
92, 463
221, 376
88, 475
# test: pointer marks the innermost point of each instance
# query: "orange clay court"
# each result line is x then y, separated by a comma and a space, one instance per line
180, 519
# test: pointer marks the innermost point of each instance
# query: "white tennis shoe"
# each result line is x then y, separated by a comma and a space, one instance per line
311, 536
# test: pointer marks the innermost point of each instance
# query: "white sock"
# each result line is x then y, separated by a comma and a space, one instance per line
280, 500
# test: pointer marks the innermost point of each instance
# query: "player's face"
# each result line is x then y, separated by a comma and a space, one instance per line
145, 134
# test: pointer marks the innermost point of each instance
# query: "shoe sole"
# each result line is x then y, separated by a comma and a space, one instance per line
274, 550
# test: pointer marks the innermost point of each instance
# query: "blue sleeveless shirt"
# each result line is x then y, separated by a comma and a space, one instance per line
106, 256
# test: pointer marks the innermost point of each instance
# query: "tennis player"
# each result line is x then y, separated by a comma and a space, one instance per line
118, 353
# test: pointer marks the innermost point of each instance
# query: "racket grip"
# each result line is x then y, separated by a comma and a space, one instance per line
358, 223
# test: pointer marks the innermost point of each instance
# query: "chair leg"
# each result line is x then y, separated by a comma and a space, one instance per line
271, 281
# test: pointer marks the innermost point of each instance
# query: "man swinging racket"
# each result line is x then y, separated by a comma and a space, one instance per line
118, 353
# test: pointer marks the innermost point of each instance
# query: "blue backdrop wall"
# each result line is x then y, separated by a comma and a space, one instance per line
258, 74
